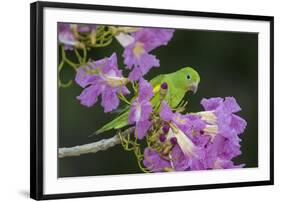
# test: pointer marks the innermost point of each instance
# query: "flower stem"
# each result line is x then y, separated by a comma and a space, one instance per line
80, 59
123, 98
134, 86
65, 85
64, 58
133, 145
61, 84
84, 55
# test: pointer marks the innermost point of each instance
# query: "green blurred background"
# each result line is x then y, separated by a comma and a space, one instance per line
228, 65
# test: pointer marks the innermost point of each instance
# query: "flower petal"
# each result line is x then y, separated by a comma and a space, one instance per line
105, 77
66, 36
146, 110
212, 103
145, 90
238, 124
110, 100
136, 54
180, 162
111, 66
166, 113
154, 162
83, 78
135, 74
142, 65
134, 110
231, 105
89, 95
146, 62
141, 128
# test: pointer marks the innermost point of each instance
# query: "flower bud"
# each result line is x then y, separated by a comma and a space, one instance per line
93, 37
165, 129
164, 86
173, 140
162, 138
163, 90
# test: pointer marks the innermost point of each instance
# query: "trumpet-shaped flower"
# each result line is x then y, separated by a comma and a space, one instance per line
103, 78
141, 109
202, 140
86, 28
220, 112
154, 162
66, 36
136, 54
226, 142
181, 128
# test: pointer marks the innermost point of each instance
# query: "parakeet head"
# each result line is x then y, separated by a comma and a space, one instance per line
189, 78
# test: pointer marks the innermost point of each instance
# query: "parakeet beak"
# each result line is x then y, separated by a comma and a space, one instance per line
193, 87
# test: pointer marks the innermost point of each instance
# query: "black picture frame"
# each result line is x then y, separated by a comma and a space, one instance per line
37, 99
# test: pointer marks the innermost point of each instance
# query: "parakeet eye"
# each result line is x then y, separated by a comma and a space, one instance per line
188, 77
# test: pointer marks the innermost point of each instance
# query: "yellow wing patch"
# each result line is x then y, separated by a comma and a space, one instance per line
156, 88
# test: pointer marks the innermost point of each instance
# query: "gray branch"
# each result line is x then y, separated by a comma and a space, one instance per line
94, 147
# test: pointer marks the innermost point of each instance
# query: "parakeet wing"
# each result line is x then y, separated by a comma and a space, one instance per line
177, 87
122, 120
119, 122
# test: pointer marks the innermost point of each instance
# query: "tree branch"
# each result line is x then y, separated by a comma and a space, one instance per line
94, 147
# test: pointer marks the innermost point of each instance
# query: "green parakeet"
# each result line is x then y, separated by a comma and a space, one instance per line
179, 82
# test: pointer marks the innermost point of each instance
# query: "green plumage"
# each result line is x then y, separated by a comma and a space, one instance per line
179, 82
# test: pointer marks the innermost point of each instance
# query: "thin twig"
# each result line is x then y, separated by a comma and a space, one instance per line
94, 147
